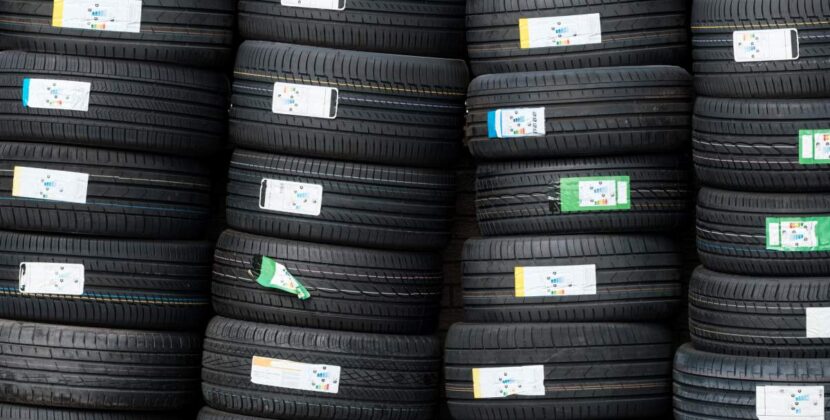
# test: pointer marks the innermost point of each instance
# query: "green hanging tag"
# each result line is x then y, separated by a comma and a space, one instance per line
274, 275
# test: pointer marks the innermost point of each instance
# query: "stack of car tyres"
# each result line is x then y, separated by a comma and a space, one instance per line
759, 304
346, 118
579, 120
107, 116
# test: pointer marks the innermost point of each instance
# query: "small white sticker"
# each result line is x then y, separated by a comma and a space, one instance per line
294, 375
291, 197
51, 278
798, 234
98, 15
560, 31
818, 322
305, 100
599, 193
563, 280
789, 402
316, 4
502, 382
48, 184
516, 122
765, 45
56, 94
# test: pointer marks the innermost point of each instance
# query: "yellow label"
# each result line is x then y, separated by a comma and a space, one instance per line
524, 34
57, 14
476, 383
16, 181
520, 281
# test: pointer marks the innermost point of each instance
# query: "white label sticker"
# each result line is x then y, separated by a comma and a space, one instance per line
56, 94
601, 193
316, 4
48, 184
798, 234
564, 280
51, 278
789, 402
305, 100
818, 322
516, 122
502, 382
560, 31
765, 45
291, 197
98, 15
295, 375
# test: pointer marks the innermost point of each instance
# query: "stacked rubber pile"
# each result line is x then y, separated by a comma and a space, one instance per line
581, 173
328, 282
759, 306
104, 273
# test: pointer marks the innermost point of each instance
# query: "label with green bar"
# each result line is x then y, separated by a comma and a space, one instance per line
798, 233
814, 147
595, 193
274, 275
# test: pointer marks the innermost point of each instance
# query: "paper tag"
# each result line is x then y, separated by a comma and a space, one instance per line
48, 184
276, 276
818, 322
765, 45
798, 233
294, 375
814, 147
291, 197
599, 193
564, 280
56, 94
98, 15
305, 100
789, 402
516, 122
502, 382
560, 31
316, 4
51, 278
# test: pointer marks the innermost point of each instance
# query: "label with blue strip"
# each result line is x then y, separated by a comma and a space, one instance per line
65, 95
516, 122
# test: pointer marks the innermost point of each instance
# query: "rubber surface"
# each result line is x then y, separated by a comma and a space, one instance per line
186, 32
352, 289
634, 33
139, 106
409, 27
522, 197
592, 370
637, 278
129, 194
753, 144
363, 205
718, 74
24, 412
731, 232
588, 112
95, 368
389, 377
710, 386
391, 109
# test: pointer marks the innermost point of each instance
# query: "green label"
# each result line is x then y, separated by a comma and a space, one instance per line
798, 233
274, 275
814, 147
595, 193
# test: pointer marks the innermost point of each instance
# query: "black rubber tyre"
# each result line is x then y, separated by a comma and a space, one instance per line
634, 33
718, 74
186, 32
755, 316
352, 289
208, 413
522, 197
147, 107
362, 205
25, 412
753, 144
637, 278
96, 368
731, 232
129, 194
383, 377
588, 112
592, 371
152, 285
711, 386
391, 109
409, 27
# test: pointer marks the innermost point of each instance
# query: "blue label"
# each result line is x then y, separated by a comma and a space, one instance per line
492, 131
25, 92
